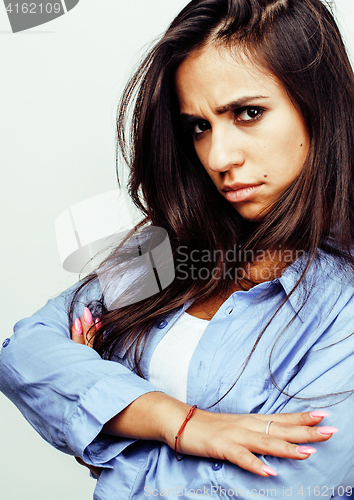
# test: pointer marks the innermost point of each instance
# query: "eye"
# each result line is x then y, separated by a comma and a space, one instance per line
200, 127
194, 127
249, 113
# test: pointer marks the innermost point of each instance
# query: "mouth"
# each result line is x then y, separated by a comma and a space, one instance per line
240, 192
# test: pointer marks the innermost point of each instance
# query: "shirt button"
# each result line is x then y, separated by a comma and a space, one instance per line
230, 311
216, 466
6, 342
162, 324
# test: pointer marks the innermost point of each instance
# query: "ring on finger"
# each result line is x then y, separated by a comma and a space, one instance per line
268, 425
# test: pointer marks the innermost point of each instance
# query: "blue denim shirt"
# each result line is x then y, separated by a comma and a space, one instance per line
67, 392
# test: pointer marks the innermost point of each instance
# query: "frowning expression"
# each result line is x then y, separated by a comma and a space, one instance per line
247, 133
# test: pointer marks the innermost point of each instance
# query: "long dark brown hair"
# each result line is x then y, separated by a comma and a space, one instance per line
299, 42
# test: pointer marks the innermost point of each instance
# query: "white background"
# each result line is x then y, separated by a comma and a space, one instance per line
60, 84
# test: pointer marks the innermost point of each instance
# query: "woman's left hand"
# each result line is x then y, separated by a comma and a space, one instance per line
80, 334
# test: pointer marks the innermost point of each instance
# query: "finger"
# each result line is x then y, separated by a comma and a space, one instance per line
301, 434
263, 444
290, 432
77, 332
81, 330
88, 327
300, 418
246, 460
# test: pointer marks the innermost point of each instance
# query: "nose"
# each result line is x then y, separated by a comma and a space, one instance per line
225, 150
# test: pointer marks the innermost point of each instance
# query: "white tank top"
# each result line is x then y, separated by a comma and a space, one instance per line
170, 361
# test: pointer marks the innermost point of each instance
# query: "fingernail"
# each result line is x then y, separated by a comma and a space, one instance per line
98, 324
319, 413
306, 450
78, 326
269, 470
327, 429
87, 316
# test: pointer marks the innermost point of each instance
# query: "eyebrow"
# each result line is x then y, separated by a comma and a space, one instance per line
237, 103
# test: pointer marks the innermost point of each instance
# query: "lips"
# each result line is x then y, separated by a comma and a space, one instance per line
238, 185
240, 192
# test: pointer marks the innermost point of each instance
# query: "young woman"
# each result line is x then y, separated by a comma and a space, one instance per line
241, 148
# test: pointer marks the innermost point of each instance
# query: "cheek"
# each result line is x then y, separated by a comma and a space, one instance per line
201, 151
288, 152
299, 142
300, 152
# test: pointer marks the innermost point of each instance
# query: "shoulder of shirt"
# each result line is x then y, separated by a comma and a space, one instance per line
328, 281
83, 296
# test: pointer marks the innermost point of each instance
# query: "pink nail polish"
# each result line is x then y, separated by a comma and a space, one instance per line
88, 316
319, 413
327, 429
269, 470
306, 450
98, 324
78, 326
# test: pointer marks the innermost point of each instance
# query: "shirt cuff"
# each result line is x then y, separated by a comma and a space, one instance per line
96, 407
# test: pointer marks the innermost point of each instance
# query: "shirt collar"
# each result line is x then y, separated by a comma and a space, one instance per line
323, 272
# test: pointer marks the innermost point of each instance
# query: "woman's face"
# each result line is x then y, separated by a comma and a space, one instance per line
247, 133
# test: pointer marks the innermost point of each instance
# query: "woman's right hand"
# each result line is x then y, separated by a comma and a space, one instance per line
237, 438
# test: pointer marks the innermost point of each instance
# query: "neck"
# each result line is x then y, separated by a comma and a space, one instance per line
265, 269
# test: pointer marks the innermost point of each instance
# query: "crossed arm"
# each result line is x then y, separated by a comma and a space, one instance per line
231, 437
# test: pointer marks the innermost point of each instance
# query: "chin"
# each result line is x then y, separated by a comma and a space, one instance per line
255, 213
251, 215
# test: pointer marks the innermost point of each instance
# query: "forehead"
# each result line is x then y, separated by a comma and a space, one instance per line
215, 75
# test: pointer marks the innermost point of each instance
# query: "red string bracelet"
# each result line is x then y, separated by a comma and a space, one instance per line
188, 417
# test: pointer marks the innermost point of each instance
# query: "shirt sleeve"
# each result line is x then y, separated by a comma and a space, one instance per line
66, 391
